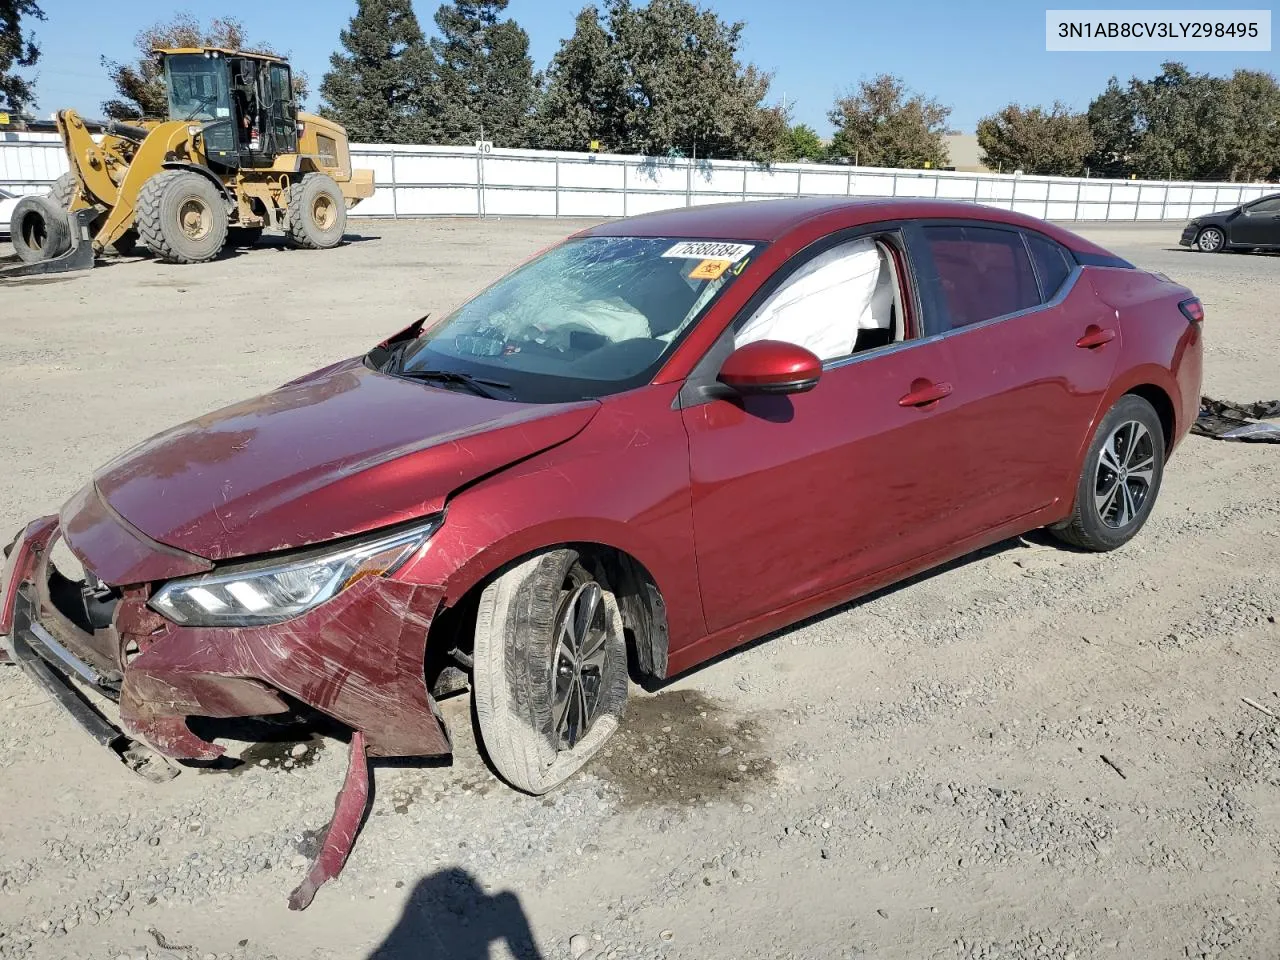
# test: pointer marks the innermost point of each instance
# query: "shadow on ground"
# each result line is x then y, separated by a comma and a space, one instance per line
448, 915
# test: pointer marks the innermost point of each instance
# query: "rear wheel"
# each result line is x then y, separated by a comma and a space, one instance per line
1121, 477
550, 682
1211, 240
181, 216
38, 229
317, 212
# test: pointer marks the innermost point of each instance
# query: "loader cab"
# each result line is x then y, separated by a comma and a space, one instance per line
243, 103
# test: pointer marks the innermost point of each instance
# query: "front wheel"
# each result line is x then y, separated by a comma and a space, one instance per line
1120, 480
317, 212
182, 217
1211, 240
550, 669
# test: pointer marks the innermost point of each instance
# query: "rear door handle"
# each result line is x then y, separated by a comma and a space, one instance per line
925, 392
1095, 337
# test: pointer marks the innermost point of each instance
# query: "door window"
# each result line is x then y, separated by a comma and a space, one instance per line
1269, 206
1052, 264
982, 273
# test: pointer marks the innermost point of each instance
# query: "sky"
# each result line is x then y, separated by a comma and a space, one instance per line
973, 57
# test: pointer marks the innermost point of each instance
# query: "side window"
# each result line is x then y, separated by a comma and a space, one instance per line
1053, 266
983, 272
1269, 206
842, 301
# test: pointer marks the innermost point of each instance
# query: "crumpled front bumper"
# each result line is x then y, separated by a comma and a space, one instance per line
358, 658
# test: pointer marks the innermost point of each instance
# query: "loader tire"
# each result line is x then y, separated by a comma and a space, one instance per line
39, 229
64, 189
317, 212
182, 217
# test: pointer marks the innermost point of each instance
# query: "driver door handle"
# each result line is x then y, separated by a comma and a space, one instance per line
925, 392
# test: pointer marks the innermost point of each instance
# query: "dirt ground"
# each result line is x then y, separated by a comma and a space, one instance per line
1030, 753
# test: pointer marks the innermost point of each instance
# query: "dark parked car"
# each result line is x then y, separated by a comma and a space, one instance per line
660, 439
1252, 225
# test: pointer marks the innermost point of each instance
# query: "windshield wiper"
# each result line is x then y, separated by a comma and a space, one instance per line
475, 384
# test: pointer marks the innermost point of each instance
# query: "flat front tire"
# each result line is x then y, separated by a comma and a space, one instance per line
1120, 480
550, 669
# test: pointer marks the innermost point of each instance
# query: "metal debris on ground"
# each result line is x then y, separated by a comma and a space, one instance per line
1224, 420
1113, 765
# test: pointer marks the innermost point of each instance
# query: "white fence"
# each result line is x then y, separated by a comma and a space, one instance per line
463, 182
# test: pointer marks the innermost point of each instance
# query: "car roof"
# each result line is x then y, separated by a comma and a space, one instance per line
770, 220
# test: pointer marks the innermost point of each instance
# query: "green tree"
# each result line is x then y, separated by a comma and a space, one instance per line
1053, 142
140, 85
1253, 117
585, 91
883, 124
377, 87
18, 50
660, 79
801, 142
483, 79
1112, 128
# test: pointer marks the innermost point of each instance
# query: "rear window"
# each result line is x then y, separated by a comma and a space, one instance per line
982, 273
1051, 262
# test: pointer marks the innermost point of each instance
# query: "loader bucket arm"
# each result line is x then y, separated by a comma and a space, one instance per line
160, 145
86, 160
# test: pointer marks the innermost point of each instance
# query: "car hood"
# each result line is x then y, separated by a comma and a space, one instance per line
340, 453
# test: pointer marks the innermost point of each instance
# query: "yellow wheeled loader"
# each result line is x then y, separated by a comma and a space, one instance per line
234, 157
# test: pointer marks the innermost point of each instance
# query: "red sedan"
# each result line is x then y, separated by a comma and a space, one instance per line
655, 441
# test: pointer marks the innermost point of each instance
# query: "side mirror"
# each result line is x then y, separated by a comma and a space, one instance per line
770, 366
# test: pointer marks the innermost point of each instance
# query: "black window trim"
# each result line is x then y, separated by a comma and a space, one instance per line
700, 386
933, 305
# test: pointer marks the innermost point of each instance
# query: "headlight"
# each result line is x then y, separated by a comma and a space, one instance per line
268, 591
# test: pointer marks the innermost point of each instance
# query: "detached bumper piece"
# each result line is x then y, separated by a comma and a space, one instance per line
1224, 420
340, 836
47, 662
56, 669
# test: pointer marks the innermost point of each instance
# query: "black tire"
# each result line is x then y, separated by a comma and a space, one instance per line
39, 229
1127, 495
1216, 240
517, 647
317, 212
64, 190
240, 238
126, 243
182, 217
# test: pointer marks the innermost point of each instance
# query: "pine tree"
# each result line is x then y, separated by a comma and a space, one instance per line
661, 79
377, 88
585, 91
484, 77
17, 50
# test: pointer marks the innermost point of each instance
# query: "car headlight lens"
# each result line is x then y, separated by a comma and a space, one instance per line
268, 591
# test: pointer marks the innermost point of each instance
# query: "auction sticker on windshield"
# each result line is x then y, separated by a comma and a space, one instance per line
710, 250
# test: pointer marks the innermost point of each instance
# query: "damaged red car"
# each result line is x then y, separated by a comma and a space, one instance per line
657, 440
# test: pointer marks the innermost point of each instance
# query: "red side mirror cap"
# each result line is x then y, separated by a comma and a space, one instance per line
771, 366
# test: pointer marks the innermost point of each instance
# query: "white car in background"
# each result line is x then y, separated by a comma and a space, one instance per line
7, 202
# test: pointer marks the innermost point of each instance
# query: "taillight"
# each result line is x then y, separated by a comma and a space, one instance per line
1192, 309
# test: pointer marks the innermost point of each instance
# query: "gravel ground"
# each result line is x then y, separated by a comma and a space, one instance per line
1029, 753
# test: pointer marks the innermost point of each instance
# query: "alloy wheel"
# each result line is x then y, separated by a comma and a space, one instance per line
578, 665
1126, 468
1210, 240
